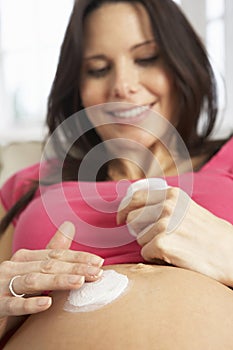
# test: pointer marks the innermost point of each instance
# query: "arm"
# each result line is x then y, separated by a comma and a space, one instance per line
7, 323
181, 232
5, 239
54, 268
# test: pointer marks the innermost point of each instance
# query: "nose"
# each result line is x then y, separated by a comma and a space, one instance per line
125, 82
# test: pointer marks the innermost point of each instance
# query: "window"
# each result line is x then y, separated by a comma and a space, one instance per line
31, 32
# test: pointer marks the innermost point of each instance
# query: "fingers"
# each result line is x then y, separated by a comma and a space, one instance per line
139, 199
153, 241
58, 261
53, 267
33, 283
53, 275
24, 255
63, 237
76, 257
158, 228
140, 220
11, 306
156, 249
56, 267
140, 215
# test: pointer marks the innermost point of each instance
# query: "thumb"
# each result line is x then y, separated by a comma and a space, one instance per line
63, 237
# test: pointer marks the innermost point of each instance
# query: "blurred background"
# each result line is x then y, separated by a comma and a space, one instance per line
31, 32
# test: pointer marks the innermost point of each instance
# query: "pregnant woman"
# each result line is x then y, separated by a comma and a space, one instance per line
132, 82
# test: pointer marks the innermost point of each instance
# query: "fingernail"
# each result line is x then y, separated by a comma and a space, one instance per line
76, 279
44, 301
96, 260
94, 271
68, 229
97, 275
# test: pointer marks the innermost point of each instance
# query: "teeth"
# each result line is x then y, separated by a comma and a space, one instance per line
130, 113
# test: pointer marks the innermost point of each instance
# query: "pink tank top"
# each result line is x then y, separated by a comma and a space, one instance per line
92, 208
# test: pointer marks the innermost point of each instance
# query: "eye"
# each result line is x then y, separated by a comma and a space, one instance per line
98, 73
147, 61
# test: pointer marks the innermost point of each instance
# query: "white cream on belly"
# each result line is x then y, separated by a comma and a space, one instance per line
94, 295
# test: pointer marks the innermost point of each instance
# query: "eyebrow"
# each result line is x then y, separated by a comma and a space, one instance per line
152, 41
103, 57
95, 57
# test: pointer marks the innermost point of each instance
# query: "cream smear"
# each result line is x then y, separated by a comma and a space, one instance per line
94, 295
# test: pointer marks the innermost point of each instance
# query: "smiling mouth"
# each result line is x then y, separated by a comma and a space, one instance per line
130, 113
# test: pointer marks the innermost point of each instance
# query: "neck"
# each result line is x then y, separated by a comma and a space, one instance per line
157, 161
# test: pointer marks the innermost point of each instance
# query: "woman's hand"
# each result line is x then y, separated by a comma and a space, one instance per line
54, 268
175, 229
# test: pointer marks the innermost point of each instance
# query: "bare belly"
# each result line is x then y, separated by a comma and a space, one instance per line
164, 308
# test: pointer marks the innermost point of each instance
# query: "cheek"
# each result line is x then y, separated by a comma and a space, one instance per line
92, 93
160, 83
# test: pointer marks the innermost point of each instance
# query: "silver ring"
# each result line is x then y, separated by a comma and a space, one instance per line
11, 288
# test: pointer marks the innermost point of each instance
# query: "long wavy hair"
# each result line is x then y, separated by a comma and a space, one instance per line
182, 52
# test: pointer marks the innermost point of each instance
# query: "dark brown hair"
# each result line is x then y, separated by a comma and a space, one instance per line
182, 52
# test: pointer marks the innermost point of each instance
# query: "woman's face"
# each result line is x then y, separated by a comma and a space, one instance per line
122, 65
